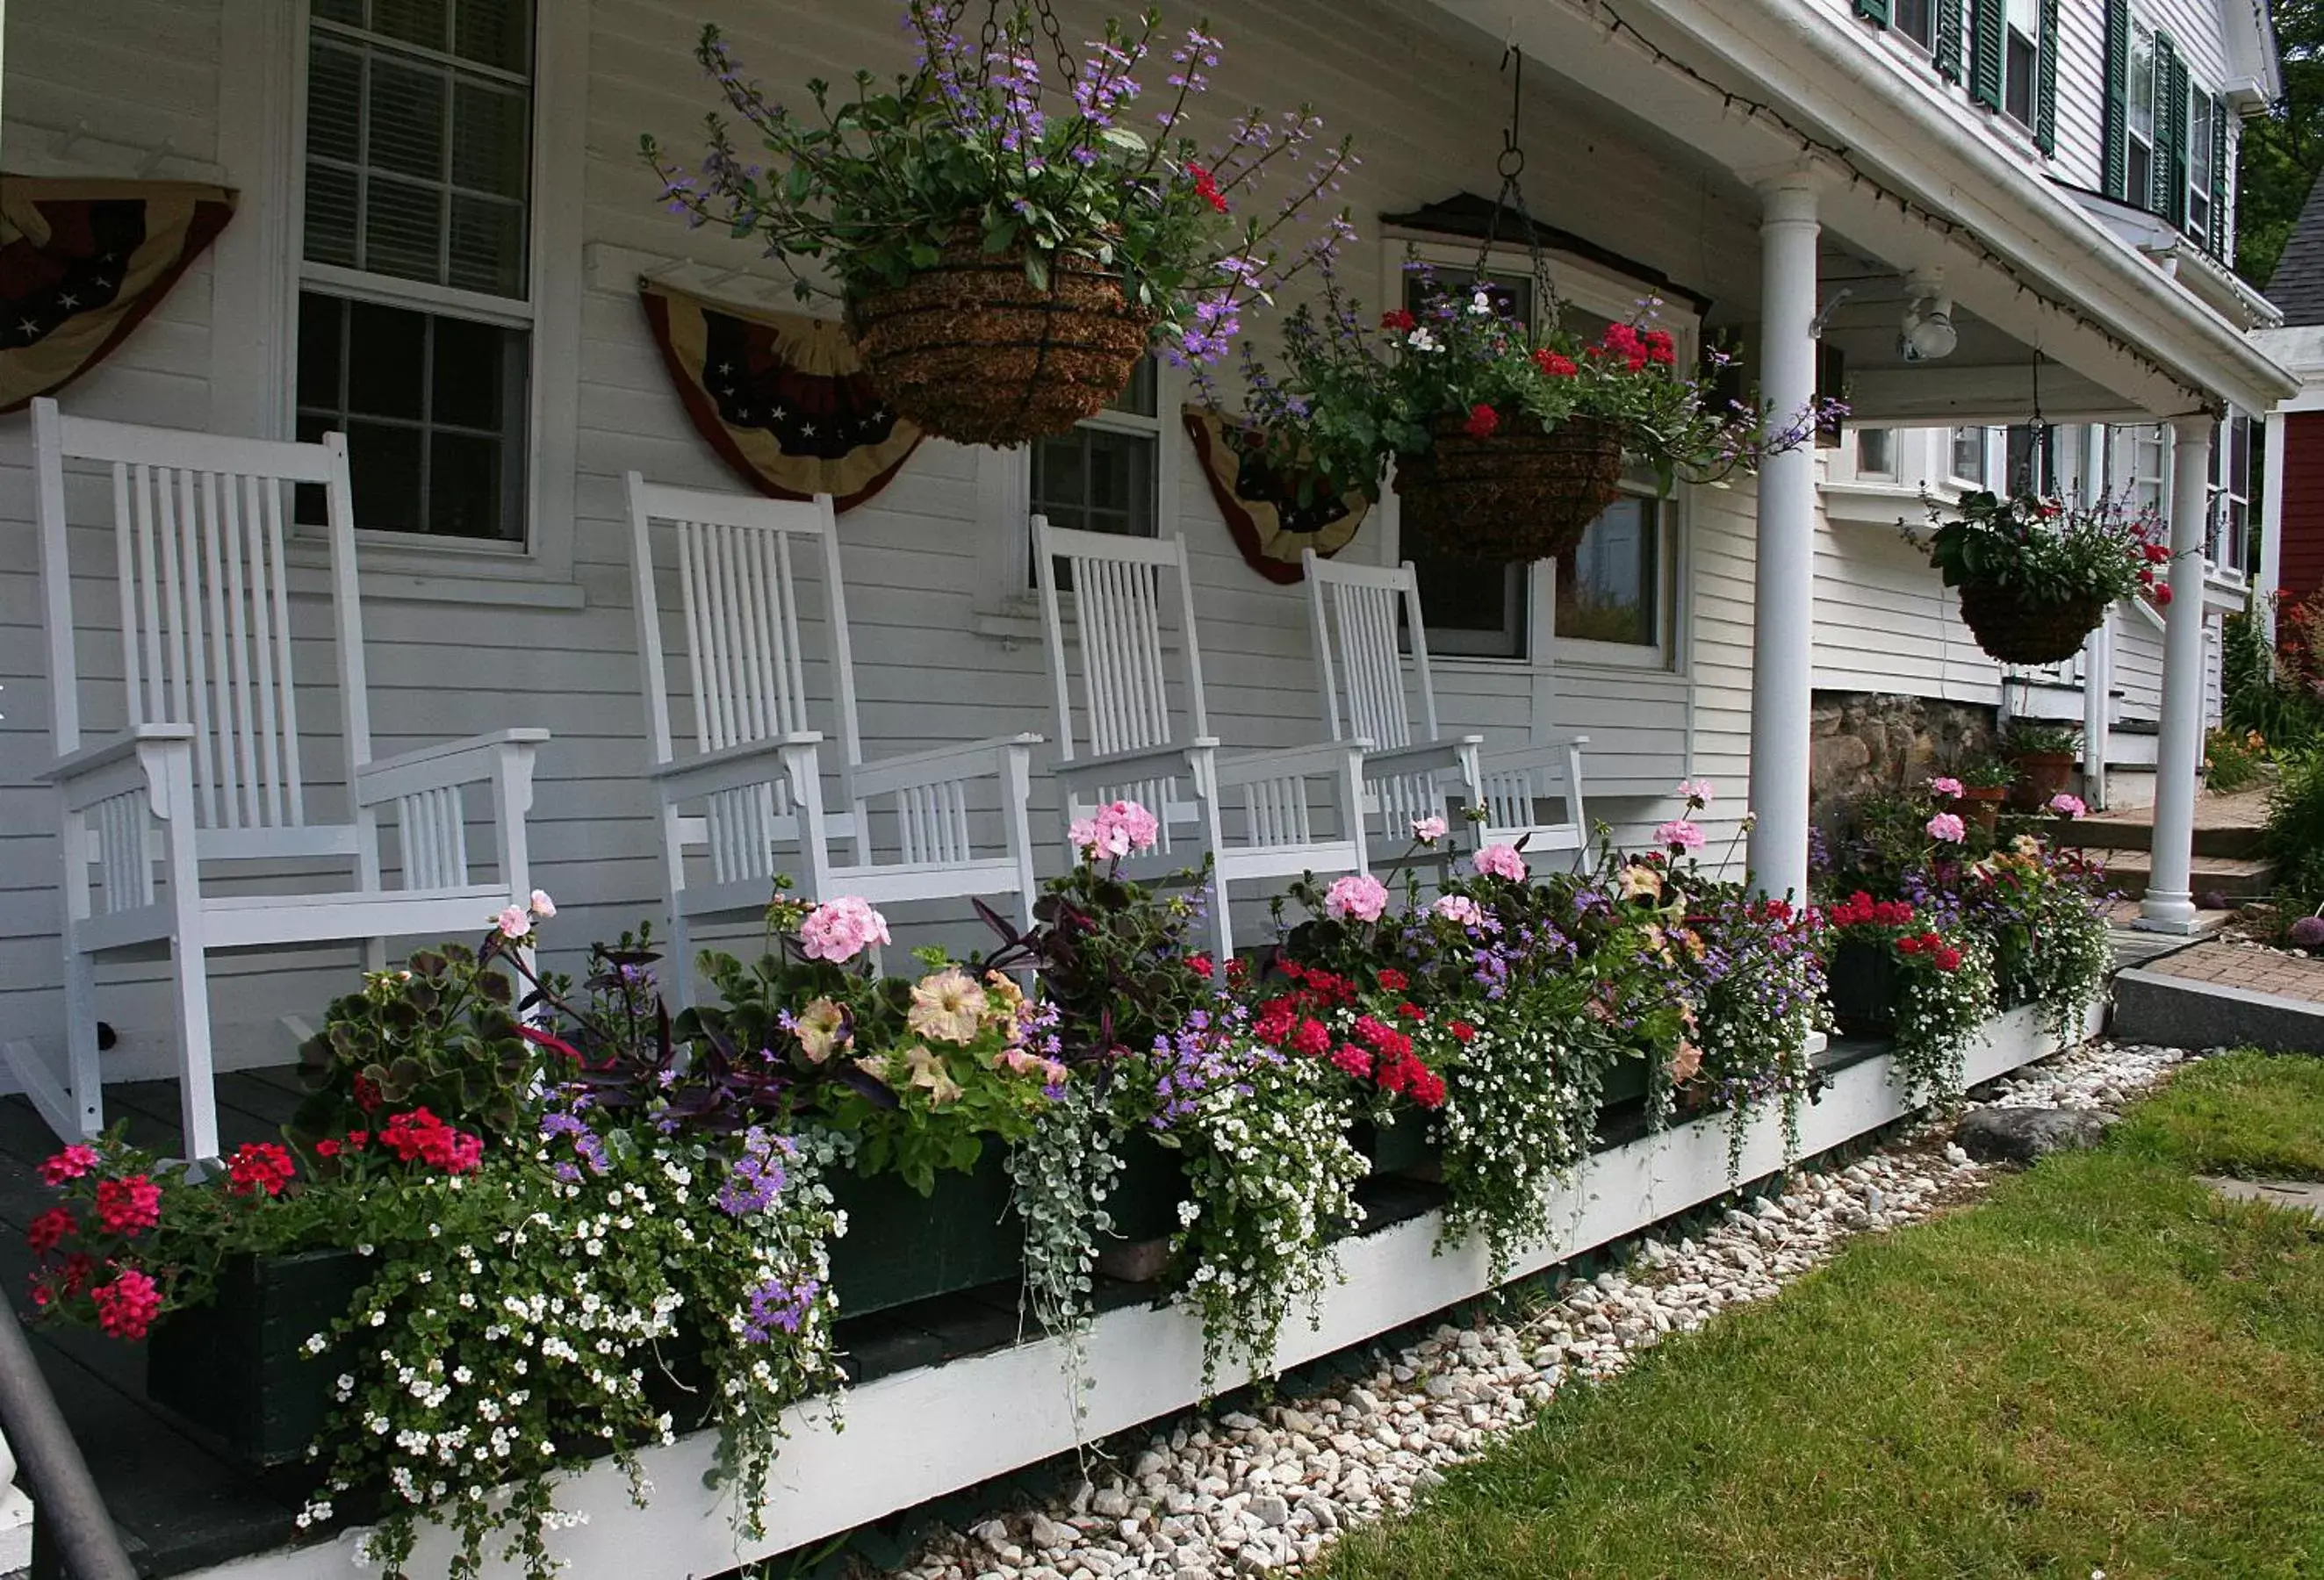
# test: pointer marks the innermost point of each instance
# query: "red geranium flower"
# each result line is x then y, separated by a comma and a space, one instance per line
1199, 964
71, 1163
1311, 1039
1554, 366
2163, 597
326, 1148
1659, 348
1206, 186
1461, 1030
358, 1138
1482, 420
48, 1230
1411, 1012
259, 1167
1949, 960
1392, 980
126, 1307
126, 1207
1353, 1060
2156, 554
1399, 320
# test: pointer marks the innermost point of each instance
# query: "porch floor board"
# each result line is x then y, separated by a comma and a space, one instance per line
183, 1505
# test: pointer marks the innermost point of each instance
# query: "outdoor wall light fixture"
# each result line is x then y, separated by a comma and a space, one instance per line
1927, 333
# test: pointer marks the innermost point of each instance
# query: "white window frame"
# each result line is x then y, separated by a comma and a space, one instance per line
261, 270
2222, 494
2139, 458
2030, 12
2198, 185
2140, 195
1613, 295
1005, 605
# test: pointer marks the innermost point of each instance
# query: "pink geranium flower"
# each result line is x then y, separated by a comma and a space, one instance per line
2067, 806
1359, 897
1459, 908
1120, 827
1952, 789
542, 905
839, 929
1695, 793
516, 921
1947, 827
69, 1165
1500, 861
1428, 830
1679, 835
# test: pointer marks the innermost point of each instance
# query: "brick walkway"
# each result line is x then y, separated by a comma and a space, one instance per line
2253, 970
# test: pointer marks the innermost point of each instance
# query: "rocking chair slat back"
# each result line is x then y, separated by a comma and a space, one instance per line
1120, 587
199, 525
738, 585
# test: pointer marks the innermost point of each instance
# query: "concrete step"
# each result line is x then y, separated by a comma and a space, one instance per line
2113, 833
2237, 878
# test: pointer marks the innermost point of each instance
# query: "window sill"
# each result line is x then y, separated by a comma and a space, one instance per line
453, 573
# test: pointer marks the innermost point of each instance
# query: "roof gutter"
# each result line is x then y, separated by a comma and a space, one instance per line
1928, 150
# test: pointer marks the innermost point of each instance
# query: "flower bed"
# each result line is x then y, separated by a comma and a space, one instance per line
584, 1222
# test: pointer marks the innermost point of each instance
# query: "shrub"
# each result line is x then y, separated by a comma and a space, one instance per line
2294, 837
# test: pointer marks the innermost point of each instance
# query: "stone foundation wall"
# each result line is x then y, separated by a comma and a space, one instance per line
1863, 741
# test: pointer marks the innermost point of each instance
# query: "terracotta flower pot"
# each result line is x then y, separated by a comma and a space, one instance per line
2040, 776
2018, 632
1523, 493
973, 350
1980, 805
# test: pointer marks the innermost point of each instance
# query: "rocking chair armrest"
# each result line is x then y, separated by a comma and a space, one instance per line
969, 760
737, 767
1114, 767
447, 765
1540, 754
1447, 753
1330, 757
126, 764
89, 759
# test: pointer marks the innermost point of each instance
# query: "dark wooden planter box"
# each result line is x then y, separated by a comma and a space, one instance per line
902, 1246
1863, 979
238, 1367
1624, 1081
1405, 1147
1144, 1208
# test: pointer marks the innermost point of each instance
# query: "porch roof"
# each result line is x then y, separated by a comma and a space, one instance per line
1910, 184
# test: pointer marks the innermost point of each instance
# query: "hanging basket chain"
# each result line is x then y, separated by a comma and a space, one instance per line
1510, 166
989, 38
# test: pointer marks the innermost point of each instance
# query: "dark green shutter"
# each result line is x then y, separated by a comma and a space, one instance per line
2218, 240
2117, 101
2045, 82
1875, 12
1947, 53
2169, 132
1988, 22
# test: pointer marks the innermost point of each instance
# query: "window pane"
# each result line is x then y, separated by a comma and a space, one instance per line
1911, 18
387, 361
487, 246
334, 102
403, 229
407, 120
331, 210
385, 462
471, 374
488, 140
497, 33
1470, 608
347, 11
2017, 92
1609, 589
1096, 481
1969, 454
2140, 164
322, 324
2142, 83
415, 21
464, 486
1876, 450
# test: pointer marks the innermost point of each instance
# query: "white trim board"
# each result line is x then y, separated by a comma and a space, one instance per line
920, 1435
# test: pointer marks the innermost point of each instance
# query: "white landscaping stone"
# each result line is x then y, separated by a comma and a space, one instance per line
1232, 1494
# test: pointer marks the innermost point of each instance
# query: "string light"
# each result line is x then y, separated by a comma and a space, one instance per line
1620, 30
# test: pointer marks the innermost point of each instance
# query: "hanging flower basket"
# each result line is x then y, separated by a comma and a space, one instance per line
1522, 493
2015, 631
974, 351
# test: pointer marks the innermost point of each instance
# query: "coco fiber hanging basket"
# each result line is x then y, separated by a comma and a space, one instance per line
2018, 632
1522, 493
973, 350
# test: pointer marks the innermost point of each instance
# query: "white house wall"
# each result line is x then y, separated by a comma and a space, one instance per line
558, 650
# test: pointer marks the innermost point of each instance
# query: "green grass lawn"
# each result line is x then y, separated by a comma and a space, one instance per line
2103, 1366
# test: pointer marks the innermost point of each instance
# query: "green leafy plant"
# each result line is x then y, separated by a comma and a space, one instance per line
1943, 988
970, 151
2046, 551
1986, 772
2033, 738
2233, 760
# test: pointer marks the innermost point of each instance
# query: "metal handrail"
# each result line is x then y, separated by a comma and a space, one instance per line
66, 1507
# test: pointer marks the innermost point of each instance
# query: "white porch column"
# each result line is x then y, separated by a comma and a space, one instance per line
2169, 905
2271, 521
1783, 674
2097, 709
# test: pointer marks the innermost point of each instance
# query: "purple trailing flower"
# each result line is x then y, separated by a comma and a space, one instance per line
757, 1177
775, 1305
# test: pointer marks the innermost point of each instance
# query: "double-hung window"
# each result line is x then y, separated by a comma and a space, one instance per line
1915, 20
2138, 150
2199, 113
1099, 475
1611, 594
1876, 452
2230, 521
2021, 60
1966, 462
415, 321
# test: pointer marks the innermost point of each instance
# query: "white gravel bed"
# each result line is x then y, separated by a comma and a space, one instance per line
1240, 1492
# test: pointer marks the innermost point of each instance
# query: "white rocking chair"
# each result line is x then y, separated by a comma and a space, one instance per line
205, 750
1352, 613
756, 767
1134, 746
